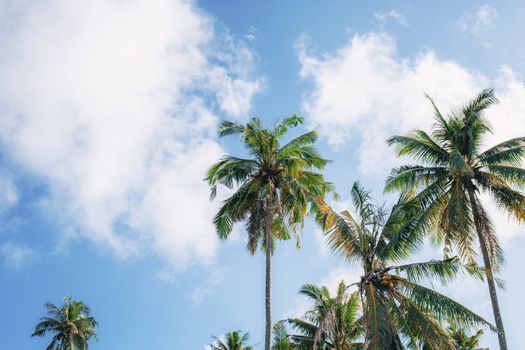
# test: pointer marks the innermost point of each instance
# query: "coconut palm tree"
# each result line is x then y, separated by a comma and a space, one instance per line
282, 340
232, 341
332, 323
453, 173
463, 340
72, 325
274, 188
398, 311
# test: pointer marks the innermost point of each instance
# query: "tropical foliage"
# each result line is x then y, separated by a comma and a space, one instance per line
332, 323
275, 188
399, 312
71, 325
231, 341
452, 174
281, 338
463, 340
278, 182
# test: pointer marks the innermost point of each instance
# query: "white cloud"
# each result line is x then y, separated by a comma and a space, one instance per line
211, 283
16, 256
8, 193
481, 20
114, 105
365, 92
384, 17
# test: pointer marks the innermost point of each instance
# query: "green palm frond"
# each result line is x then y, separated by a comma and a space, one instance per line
332, 322
510, 152
455, 210
398, 312
71, 325
231, 341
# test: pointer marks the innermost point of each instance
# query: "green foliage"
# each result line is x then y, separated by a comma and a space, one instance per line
452, 168
398, 312
332, 322
72, 325
275, 188
281, 339
463, 340
276, 181
453, 172
231, 341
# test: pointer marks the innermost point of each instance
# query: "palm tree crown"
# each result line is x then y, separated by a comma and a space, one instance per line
398, 312
72, 325
275, 188
276, 182
453, 172
332, 323
232, 341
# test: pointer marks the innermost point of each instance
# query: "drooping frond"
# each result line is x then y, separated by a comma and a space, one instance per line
230, 171
228, 128
441, 306
342, 231
510, 152
443, 270
413, 176
420, 146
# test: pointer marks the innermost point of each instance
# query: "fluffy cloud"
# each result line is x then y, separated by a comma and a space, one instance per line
8, 193
481, 20
16, 256
365, 92
114, 106
384, 17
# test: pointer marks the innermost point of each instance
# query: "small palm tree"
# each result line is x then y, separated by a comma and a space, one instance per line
72, 325
463, 340
398, 311
453, 173
332, 323
232, 341
275, 188
282, 340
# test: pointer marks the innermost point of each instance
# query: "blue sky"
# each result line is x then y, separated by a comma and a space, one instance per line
108, 116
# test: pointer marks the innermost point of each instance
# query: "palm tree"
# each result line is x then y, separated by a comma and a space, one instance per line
72, 325
282, 340
463, 340
453, 173
398, 311
275, 188
331, 323
232, 341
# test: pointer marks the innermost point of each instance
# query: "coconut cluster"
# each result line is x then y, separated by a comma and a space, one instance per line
387, 282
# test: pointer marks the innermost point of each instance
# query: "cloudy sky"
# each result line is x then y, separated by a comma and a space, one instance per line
108, 120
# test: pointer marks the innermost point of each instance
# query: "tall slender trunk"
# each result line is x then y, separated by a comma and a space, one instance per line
488, 271
268, 298
268, 286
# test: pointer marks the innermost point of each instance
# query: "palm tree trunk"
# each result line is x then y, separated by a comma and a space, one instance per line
268, 297
268, 285
488, 271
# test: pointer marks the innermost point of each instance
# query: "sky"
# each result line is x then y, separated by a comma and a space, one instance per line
108, 121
